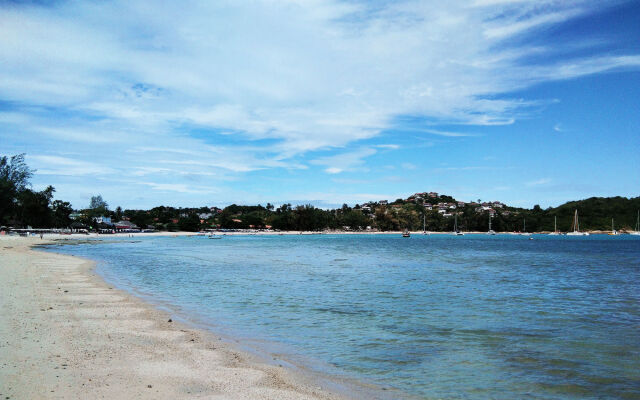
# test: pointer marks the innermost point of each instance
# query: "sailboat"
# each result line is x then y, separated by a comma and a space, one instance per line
490, 231
555, 227
424, 224
637, 231
613, 231
406, 233
524, 228
456, 232
576, 227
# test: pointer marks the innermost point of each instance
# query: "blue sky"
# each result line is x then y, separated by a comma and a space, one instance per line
323, 101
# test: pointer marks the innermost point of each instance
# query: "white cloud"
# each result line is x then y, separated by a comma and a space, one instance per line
448, 133
56, 165
214, 90
315, 75
344, 161
179, 187
539, 182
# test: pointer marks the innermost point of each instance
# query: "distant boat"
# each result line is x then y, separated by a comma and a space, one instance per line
576, 227
490, 231
613, 231
424, 224
637, 231
524, 228
555, 227
406, 233
215, 237
456, 231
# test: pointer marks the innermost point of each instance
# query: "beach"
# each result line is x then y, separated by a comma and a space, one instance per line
68, 334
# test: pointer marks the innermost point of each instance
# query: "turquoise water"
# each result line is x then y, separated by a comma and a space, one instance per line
476, 317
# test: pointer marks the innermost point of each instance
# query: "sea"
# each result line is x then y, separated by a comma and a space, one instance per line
428, 317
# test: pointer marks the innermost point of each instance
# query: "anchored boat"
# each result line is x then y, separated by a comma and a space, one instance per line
576, 227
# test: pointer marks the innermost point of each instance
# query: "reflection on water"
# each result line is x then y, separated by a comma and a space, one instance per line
436, 316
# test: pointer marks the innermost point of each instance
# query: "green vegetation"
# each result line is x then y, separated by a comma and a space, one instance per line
22, 207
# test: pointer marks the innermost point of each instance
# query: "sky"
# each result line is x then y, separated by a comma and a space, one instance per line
322, 101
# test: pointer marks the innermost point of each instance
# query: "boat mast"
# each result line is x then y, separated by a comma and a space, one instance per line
555, 224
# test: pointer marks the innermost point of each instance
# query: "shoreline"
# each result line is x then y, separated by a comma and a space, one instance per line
70, 334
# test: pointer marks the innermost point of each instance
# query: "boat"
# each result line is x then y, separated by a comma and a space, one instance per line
576, 227
524, 228
555, 227
456, 231
490, 231
424, 224
215, 237
406, 233
637, 231
613, 231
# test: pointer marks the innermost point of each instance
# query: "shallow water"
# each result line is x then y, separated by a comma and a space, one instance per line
433, 316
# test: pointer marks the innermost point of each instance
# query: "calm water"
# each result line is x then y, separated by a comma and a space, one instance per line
434, 316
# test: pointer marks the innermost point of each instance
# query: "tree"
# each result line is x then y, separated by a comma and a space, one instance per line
190, 223
98, 202
14, 179
33, 208
61, 210
97, 206
118, 213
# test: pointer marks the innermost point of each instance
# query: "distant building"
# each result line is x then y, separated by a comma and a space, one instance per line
432, 194
103, 220
384, 202
126, 226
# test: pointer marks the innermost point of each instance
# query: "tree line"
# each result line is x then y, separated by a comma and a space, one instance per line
20, 206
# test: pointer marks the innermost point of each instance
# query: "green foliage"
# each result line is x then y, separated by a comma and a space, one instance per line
33, 208
190, 223
14, 179
98, 207
61, 210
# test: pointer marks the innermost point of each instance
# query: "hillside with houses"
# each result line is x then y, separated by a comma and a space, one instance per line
23, 208
424, 210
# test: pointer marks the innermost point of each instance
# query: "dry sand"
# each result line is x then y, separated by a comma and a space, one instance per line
65, 334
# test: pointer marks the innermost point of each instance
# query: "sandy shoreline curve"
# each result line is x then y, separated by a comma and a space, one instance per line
66, 334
